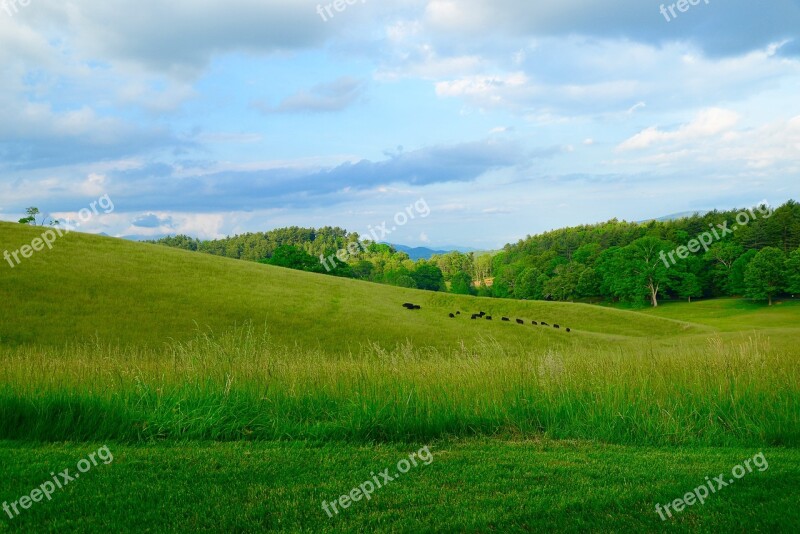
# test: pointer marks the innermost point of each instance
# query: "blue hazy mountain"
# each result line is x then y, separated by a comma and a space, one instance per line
424, 253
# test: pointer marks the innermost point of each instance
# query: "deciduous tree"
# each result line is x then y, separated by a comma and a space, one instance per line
765, 276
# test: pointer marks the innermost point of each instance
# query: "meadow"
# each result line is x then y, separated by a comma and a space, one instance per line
238, 396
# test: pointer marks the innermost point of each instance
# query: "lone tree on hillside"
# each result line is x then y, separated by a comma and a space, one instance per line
646, 268
765, 277
32, 213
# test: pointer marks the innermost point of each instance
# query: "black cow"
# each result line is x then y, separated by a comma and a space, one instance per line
545, 324
408, 306
458, 313
488, 317
416, 307
534, 323
556, 326
568, 330
452, 316
520, 321
474, 316
506, 319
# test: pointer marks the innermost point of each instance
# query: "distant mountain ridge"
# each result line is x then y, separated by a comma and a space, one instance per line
676, 216
425, 253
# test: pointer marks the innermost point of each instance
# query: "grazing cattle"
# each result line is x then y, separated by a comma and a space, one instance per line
556, 326
458, 313
416, 307
568, 330
534, 323
506, 319
488, 317
408, 306
482, 314
474, 316
545, 324
520, 321
452, 316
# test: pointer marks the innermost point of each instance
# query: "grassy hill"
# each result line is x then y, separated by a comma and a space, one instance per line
128, 293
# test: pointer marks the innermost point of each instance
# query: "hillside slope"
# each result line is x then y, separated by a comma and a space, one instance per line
100, 342
117, 291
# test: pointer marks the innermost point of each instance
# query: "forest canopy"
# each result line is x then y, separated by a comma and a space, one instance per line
753, 253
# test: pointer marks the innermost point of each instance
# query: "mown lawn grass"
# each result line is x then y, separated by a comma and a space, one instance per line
476, 485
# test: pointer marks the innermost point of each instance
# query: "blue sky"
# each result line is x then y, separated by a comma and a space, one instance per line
508, 117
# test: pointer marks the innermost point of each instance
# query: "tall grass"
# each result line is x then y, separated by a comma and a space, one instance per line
241, 385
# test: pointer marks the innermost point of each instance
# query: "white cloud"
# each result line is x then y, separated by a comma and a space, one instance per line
579, 77
94, 186
711, 146
707, 123
635, 107
489, 90
202, 225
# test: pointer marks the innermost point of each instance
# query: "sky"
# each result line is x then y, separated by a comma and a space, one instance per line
504, 118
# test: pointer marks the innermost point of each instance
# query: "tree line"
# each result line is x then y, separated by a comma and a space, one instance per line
622, 261
615, 261
304, 248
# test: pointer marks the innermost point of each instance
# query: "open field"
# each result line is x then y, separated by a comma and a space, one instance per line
734, 315
239, 395
136, 294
